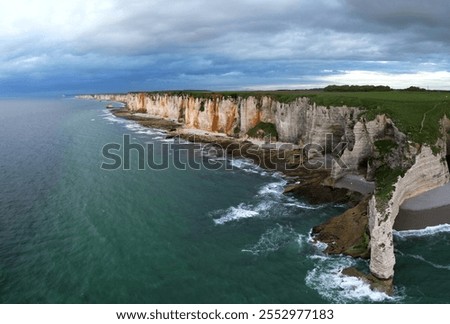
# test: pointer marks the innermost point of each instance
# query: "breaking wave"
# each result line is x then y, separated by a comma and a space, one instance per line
242, 211
421, 258
248, 166
235, 213
327, 279
133, 126
274, 239
431, 230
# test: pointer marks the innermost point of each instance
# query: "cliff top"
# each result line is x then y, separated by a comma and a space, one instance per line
415, 111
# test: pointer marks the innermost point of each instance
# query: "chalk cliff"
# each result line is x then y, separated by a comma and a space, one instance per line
428, 172
297, 122
371, 144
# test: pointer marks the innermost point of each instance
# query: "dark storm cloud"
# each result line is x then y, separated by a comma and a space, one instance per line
218, 44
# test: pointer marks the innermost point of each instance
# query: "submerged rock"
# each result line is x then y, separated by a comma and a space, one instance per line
316, 193
382, 285
347, 233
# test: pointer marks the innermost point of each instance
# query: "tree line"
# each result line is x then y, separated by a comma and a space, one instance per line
365, 88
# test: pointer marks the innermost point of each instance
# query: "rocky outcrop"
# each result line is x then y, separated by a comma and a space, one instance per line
347, 233
376, 284
362, 150
371, 150
428, 172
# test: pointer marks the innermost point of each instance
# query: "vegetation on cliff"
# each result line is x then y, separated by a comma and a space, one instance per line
415, 113
263, 130
385, 178
356, 88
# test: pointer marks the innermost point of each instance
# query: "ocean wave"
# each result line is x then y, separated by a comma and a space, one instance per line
274, 239
147, 131
431, 230
131, 125
248, 166
113, 119
421, 258
327, 279
268, 198
320, 246
236, 213
243, 211
274, 188
301, 205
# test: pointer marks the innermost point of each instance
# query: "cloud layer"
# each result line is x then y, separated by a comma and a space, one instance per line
112, 45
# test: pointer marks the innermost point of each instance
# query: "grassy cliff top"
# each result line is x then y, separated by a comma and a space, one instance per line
416, 113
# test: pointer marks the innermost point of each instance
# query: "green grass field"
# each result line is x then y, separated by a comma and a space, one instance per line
416, 113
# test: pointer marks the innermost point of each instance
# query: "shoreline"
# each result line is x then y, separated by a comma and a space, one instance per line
418, 220
302, 182
428, 209
436, 198
415, 213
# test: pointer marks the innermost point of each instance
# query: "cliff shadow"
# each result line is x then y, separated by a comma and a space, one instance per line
446, 125
448, 162
447, 131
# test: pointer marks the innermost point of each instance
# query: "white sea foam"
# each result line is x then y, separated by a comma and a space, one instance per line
247, 166
321, 246
213, 158
106, 112
300, 240
269, 196
302, 205
235, 213
113, 119
149, 131
273, 239
326, 278
321, 257
431, 230
244, 211
274, 188
131, 125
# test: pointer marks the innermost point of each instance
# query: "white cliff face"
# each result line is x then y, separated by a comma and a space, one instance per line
446, 129
428, 172
382, 257
328, 121
362, 139
425, 171
298, 122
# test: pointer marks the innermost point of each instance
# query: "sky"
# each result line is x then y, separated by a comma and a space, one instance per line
86, 46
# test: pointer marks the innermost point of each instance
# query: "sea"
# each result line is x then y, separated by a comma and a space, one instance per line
73, 231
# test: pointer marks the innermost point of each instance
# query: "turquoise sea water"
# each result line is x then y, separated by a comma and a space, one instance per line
71, 232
